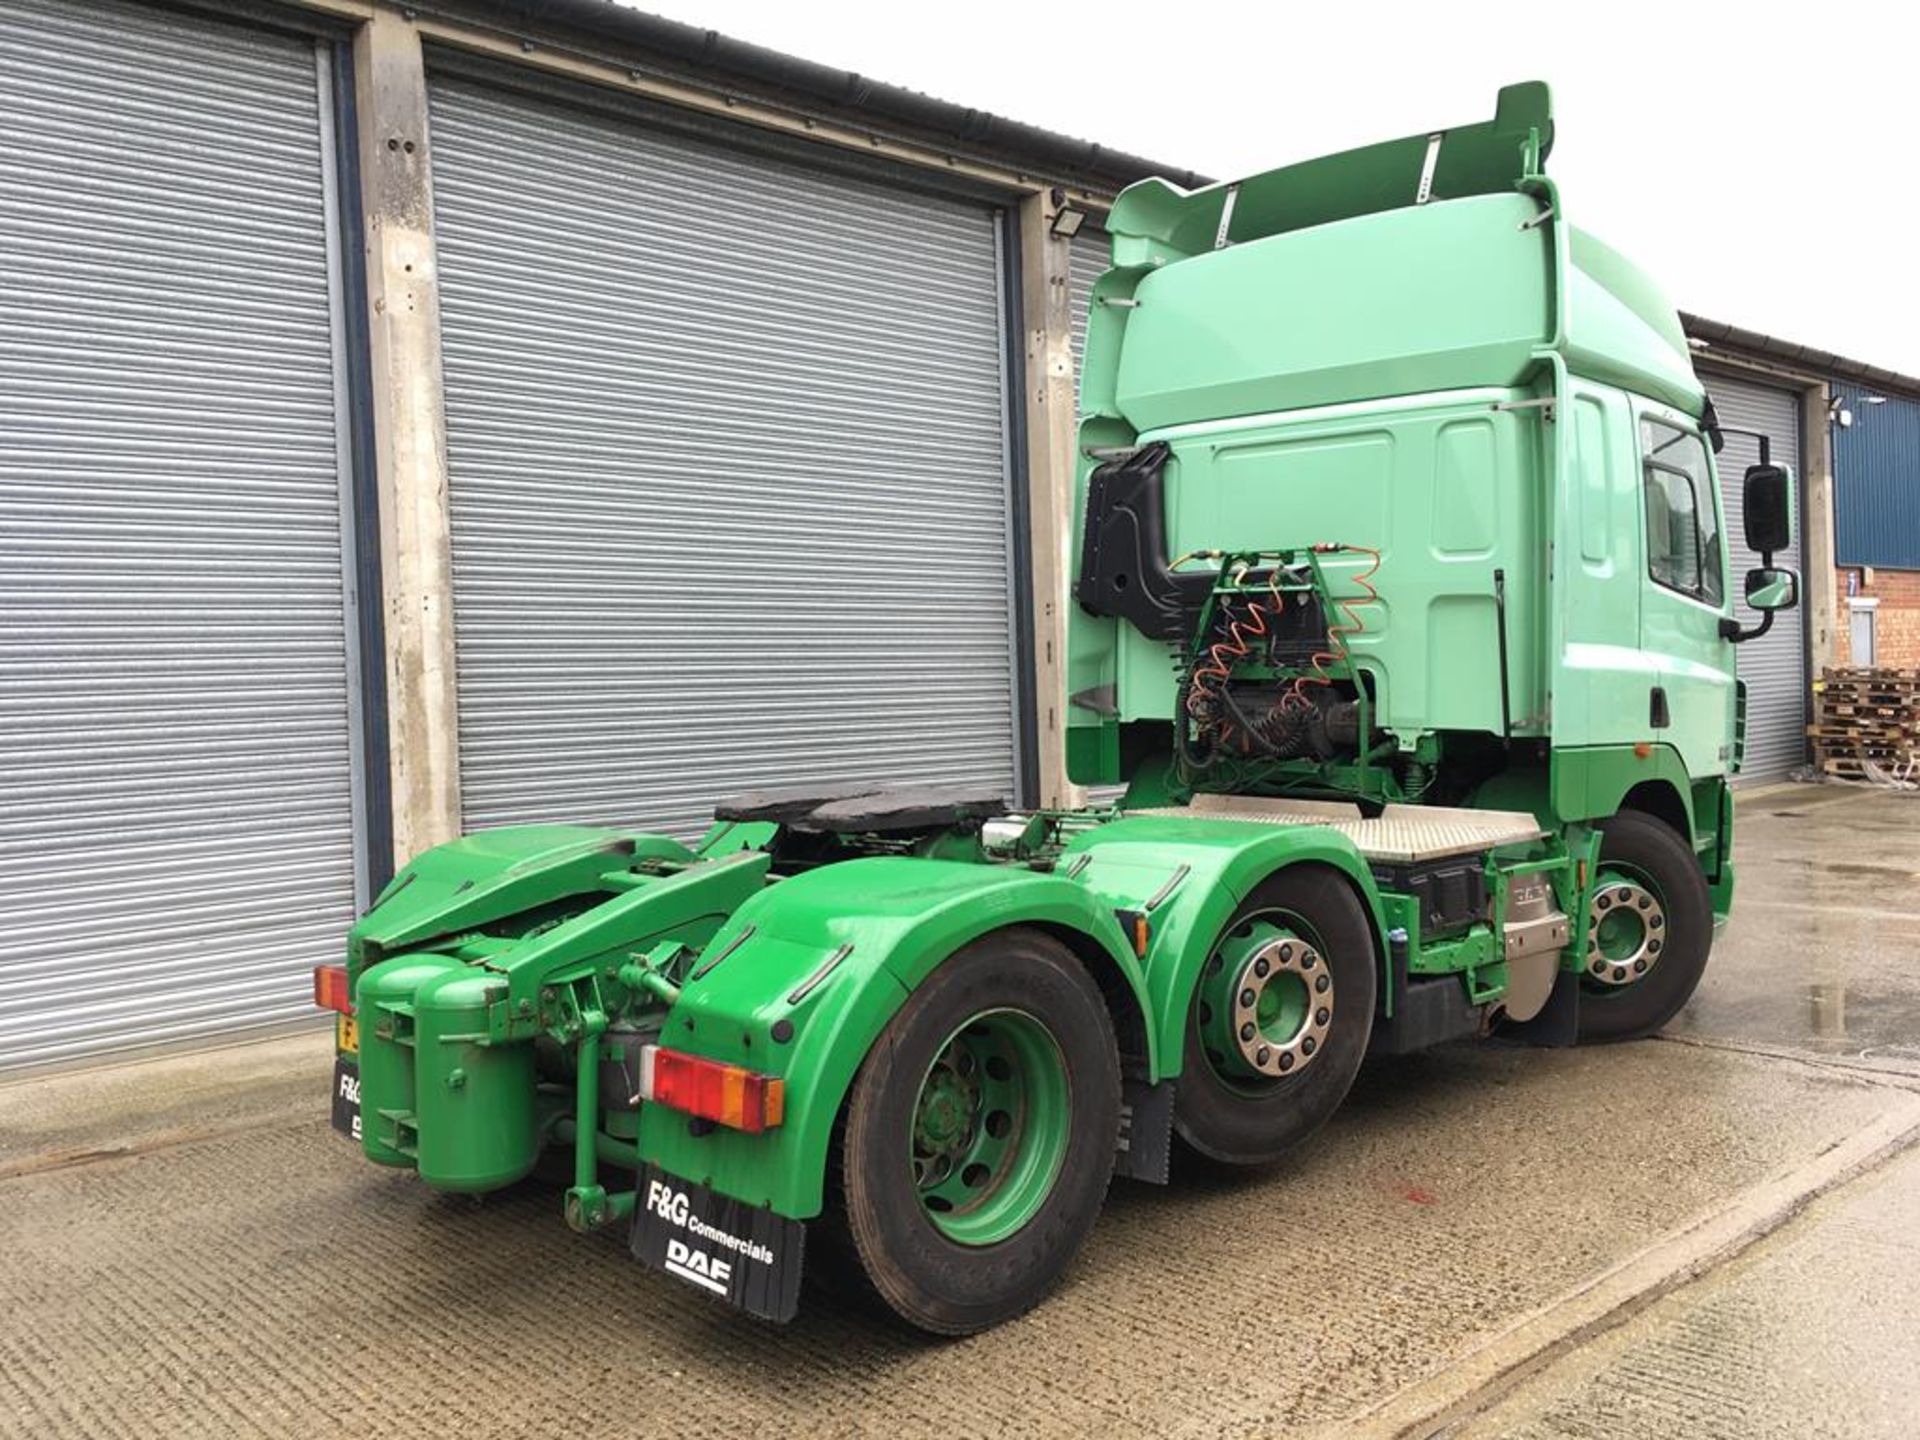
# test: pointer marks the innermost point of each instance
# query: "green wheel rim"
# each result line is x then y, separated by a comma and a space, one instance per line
990, 1127
1287, 1024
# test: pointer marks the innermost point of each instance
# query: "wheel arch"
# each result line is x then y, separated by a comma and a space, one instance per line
834, 953
1662, 801
1214, 866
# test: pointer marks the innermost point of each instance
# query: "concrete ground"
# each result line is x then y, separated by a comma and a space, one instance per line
1486, 1241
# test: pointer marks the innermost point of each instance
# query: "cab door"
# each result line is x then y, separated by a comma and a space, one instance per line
1684, 592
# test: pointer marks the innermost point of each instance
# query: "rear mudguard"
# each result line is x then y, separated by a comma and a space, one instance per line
803, 979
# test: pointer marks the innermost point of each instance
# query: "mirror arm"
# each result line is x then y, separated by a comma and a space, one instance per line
1730, 628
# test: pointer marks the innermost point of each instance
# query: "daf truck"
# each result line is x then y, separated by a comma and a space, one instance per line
1401, 610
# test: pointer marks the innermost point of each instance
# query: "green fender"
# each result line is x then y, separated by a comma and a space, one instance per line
492, 874
1194, 873
832, 954
1591, 782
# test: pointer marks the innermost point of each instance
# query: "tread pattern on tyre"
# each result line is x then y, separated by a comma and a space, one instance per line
1653, 847
925, 1278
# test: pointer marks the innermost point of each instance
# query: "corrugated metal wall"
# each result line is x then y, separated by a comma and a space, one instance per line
1089, 255
176, 843
1774, 667
1876, 481
729, 469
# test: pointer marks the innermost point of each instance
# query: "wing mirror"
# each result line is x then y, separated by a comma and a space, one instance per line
1769, 510
1772, 587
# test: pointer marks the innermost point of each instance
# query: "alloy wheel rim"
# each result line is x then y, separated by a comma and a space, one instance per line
1626, 930
1266, 1003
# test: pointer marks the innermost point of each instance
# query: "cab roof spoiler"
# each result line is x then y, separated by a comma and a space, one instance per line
1491, 157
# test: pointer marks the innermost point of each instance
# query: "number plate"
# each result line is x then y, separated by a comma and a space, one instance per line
346, 1034
739, 1253
346, 1098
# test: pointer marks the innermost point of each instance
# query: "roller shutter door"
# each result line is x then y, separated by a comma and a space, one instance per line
176, 846
729, 469
1774, 667
1088, 255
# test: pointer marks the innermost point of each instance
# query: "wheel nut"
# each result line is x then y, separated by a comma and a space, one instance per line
1260, 966
1246, 1032
1306, 1046
1322, 1015
1262, 1055
1286, 953
1320, 985
1286, 1062
1246, 997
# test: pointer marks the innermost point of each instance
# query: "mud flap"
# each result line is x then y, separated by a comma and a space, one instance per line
1558, 1023
1146, 1131
346, 1098
749, 1257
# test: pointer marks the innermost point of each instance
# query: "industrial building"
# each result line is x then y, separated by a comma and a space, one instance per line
420, 418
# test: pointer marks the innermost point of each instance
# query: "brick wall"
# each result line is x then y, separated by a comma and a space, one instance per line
1896, 624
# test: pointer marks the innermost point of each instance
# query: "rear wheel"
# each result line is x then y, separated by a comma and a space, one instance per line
1279, 1021
980, 1135
1649, 928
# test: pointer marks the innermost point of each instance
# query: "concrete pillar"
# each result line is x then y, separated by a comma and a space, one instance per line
1817, 547
1046, 298
409, 429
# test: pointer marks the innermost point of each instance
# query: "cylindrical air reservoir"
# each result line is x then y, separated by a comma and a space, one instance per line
473, 1102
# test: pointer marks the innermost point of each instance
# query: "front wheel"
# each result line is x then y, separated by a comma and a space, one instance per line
980, 1135
1649, 927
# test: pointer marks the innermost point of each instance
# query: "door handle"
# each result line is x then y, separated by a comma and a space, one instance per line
1657, 714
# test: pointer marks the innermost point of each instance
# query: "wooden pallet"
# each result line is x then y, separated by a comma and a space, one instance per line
1865, 717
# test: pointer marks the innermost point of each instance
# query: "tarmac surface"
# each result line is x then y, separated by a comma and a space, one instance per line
1486, 1241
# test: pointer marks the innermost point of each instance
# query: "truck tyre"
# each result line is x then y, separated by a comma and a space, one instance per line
980, 1135
1649, 928
1279, 1022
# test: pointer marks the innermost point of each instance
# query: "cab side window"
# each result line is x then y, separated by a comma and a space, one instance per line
1683, 541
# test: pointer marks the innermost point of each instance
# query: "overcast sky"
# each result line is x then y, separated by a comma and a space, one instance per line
1761, 160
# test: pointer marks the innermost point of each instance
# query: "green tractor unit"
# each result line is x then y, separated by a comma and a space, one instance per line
1401, 611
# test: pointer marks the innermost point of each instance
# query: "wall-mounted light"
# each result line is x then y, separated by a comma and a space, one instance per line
1876, 399
1066, 220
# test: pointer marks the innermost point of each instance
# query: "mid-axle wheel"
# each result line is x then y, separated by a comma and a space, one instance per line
1279, 1021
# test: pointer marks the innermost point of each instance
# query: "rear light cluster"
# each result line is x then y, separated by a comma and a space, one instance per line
331, 990
729, 1095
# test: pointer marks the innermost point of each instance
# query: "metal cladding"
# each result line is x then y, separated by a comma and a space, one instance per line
1876, 479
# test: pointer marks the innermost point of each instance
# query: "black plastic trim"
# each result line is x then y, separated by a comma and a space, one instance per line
1026, 713
377, 781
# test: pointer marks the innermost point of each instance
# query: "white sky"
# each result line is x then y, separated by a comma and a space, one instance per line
1761, 160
